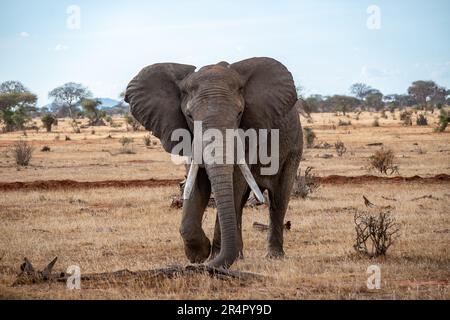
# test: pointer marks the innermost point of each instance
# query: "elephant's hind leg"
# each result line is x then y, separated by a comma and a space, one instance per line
196, 245
279, 196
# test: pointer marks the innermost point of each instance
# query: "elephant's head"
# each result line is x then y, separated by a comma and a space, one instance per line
255, 93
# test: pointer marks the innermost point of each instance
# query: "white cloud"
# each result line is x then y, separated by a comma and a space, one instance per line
371, 72
61, 47
24, 34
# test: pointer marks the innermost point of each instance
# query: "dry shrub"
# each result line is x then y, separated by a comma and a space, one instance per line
421, 120
383, 161
340, 148
75, 127
444, 119
376, 122
22, 153
380, 231
343, 123
305, 185
406, 118
127, 145
148, 140
310, 136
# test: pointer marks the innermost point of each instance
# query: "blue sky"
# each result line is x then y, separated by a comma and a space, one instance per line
326, 44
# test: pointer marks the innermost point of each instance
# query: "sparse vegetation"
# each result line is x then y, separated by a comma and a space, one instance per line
340, 148
305, 185
131, 121
49, 120
375, 234
444, 118
343, 123
127, 145
376, 122
406, 118
22, 153
310, 137
383, 161
421, 120
147, 140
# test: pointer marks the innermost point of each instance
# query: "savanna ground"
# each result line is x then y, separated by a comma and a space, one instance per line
109, 229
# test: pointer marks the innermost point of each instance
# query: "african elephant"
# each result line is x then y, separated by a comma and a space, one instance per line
257, 93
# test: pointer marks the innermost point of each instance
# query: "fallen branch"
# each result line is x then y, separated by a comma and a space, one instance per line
264, 227
429, 196
390, 199
375, 144
29, 275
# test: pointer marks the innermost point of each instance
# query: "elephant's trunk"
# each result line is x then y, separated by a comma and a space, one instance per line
221, 177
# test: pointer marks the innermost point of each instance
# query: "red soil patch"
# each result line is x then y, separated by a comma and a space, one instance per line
335, 179
71, 184
154, 183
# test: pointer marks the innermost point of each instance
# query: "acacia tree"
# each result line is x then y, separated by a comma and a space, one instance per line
422, 91
49, 120
374, 100
16, 102
70, 95
360, 90
343, 103
90, 107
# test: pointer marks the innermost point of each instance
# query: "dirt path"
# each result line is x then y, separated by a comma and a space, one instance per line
154, 183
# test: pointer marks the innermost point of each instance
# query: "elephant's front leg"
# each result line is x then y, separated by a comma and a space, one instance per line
196, 245
279, 196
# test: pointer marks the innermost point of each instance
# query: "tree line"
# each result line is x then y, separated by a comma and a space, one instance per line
73, 100
425, 95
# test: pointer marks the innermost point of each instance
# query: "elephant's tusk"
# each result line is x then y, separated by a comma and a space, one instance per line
251, 181
189, 186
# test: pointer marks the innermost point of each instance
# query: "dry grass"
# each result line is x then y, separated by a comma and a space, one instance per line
110, 229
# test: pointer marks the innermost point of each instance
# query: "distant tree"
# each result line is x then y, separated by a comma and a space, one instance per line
313, 103
48, 121
70, 95
16, 103
423, 91
300, 91
439, 97
90, 107
374, 100
360, 90
343, 103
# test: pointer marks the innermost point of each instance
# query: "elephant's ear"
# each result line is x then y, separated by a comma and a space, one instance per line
269, 92
155, 100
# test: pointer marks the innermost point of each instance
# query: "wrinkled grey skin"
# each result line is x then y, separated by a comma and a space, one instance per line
257, 93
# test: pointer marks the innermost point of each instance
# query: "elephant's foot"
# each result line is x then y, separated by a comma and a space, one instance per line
198, 251
216, 250
275, 254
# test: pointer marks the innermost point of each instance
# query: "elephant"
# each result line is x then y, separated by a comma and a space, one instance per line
256, 93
